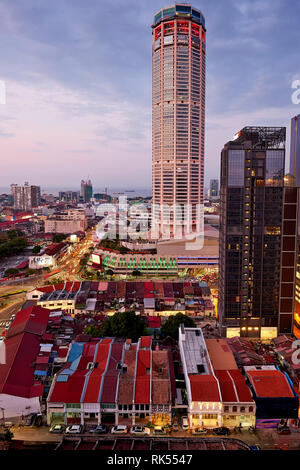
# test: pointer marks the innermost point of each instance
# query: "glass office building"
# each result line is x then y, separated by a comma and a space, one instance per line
258, 221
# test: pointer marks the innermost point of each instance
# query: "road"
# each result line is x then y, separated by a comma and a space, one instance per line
267, 439
7, 312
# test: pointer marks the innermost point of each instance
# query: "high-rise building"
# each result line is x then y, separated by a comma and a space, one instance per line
295, 149
258, 220
178, 112
86, 190
214, 188
26, 197
69, 196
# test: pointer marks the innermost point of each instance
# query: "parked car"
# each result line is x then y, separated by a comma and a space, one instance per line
57, 429
284, 430
101, 429
74, 429
140, 431
199, 431
120, 429
185, 423
159, 431
221, 431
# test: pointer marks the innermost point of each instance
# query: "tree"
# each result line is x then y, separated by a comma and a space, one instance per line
136, 273
123, 325
11, 271
59, 237
8, 435
14, 234
36, 249
170, 328
30, 272
93, 330
109, 272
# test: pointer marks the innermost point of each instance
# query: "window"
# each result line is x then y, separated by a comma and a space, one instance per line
236, 159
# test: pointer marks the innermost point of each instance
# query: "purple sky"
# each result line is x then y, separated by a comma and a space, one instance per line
78, 82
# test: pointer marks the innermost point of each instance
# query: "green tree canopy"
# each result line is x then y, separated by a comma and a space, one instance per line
93, 330
123, 325
170, 328
59, 237
36, 249
11, 271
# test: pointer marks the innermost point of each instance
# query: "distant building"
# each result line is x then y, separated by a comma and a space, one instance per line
26, 197
258, 219
71, 221
86, 191
48, 258
69, 196
214, 188
295, 149
102, 197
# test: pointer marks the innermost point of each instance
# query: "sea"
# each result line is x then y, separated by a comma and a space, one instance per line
129, 192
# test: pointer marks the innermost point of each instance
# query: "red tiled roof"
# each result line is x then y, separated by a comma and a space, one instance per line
204, 388
142, 383
94, 381
233, 386
269, 383
22, 265
242, 388
31, 320
17, 375
145, 342
50, 288
54, 248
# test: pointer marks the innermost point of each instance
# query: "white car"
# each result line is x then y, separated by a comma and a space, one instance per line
139, 431
185, 423
74, 429
121, 429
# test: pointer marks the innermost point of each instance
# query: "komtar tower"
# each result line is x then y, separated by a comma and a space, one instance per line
178, 113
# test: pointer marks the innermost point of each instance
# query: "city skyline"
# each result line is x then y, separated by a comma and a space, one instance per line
69, 104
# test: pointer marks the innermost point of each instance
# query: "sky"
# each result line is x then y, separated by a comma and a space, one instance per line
78, 85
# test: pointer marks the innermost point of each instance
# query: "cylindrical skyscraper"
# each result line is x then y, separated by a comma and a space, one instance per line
178, 111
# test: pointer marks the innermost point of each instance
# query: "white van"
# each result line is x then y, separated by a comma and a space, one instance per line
185, 423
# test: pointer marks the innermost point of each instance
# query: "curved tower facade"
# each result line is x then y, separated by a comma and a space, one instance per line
178, 112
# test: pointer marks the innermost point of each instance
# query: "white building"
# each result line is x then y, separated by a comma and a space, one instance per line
215, 397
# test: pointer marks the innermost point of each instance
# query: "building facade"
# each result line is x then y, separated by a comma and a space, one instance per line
71, 221
178, 114
257, 236
217, 394
295, 149
112, 381
86, 191
26, 197
214, 188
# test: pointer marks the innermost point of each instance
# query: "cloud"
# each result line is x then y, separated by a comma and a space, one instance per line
78, 81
